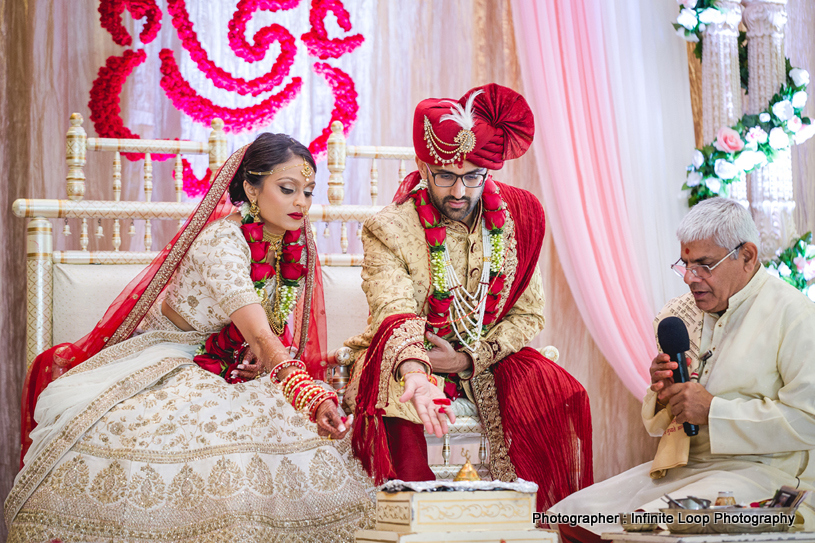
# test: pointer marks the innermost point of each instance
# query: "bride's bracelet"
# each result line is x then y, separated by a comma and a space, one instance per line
315, 404
285, 364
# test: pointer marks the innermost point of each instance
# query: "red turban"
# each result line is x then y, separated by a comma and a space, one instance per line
487, 126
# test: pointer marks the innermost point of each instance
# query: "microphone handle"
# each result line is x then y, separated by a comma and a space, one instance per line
681, 376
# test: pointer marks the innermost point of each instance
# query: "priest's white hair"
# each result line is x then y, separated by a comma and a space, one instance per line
723, 220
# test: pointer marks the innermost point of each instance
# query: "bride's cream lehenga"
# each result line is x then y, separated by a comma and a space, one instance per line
140, 444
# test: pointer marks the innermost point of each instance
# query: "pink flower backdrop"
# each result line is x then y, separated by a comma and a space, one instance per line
273, 89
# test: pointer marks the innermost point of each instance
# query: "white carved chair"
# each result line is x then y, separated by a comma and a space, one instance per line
68, 291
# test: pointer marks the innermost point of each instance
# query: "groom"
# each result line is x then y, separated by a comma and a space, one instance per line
454, 291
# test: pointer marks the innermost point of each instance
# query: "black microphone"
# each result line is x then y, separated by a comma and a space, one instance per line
673, 338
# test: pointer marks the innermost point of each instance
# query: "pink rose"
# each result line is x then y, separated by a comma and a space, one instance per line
494, 220
728, 140
259, 250
429, 216
450, 390
497, 284
794, 124
260, 272
292, 272
440, 306
420, 197
253, 231
435, 236
292, 253
800, 262
291, 236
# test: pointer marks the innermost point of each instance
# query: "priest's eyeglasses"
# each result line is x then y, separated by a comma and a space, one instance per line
447, 179
701, 271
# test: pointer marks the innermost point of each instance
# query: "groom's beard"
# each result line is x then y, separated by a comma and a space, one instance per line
454, 214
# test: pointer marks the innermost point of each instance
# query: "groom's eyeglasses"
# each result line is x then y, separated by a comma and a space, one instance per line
447, 179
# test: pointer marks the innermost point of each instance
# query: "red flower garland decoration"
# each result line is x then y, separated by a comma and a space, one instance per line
345, 106
317, 41
224, 350
110, 17
219, 77
202, 110
264, 37
104, 98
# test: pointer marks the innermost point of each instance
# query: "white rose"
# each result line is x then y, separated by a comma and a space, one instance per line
698, 158
711, 16
806, 132
811, 292
687, 36
784, 270
747, 160
764, 117
799, 77
772, 271
702, 27
687, 18
725, 169
794, 124
809, 271
799, 99
733, 18
714, 184
694, 178
783, 110
779, 138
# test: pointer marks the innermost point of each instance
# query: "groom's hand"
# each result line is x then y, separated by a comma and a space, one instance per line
444, 358
421, 393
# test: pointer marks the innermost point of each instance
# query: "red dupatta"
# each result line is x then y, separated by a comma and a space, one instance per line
129, 308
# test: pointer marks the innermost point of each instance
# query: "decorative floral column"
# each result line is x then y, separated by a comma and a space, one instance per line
721, 87
770, 189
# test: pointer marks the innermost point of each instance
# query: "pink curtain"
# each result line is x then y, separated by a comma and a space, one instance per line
566, 81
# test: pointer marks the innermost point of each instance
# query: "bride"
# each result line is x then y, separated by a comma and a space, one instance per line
189, 413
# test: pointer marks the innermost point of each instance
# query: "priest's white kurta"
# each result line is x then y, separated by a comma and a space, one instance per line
761, 429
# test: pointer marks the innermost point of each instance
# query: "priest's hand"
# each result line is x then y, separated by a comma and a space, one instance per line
444, 358
662, 372
689, 402
421, 393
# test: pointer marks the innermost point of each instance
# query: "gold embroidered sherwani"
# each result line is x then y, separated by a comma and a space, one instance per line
396, 280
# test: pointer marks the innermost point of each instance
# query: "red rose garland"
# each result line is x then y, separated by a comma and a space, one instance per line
223, 351
494, 214
264, 37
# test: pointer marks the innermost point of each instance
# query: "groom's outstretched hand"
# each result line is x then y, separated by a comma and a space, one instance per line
421, 392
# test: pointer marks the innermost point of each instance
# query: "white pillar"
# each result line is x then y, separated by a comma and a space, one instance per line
770, 189
721, 86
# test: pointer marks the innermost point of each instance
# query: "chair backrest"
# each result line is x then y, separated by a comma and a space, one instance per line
68, 291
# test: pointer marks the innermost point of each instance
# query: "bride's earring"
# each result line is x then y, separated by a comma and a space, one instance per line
254, 211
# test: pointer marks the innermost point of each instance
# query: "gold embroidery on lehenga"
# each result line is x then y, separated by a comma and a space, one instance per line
186, 490
109, 484
324, 475
225, 479
260, 477
290, 480
146, 488
71, 478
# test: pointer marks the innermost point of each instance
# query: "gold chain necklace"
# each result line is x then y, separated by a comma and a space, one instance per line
272, 310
